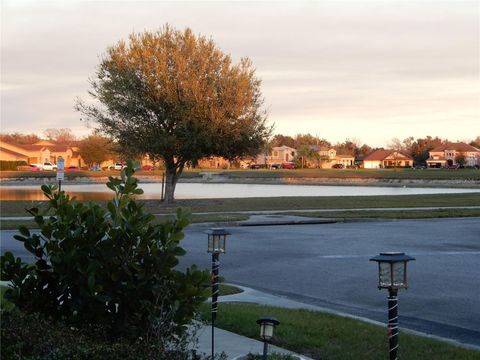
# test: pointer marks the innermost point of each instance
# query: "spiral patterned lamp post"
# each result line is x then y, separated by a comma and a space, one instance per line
392, 275
216, 245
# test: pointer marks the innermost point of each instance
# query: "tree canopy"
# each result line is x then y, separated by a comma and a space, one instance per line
177, 97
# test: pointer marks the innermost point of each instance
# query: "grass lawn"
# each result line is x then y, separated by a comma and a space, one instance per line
414, 214
326, 336
214, 218
430, 174
17, 207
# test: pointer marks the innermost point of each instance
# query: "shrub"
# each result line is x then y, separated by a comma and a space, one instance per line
33, 337
112, 267
11, 165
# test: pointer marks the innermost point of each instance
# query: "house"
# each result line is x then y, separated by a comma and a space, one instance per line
449, 154
278, 155
40, 152
382, 158
329, 157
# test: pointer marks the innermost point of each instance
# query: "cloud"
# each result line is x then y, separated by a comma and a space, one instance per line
343, 68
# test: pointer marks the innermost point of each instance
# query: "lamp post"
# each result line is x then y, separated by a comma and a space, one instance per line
216, 245
267, 324
392, 275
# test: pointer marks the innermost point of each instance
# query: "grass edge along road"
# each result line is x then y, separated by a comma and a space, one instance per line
327, 336
17, 207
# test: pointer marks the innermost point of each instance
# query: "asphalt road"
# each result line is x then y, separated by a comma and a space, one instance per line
328, 265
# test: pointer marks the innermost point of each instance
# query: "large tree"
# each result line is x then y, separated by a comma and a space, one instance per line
177, 97
96, 148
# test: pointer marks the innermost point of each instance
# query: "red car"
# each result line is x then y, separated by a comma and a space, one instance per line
147, 167
72, 168
288, 165
33, 167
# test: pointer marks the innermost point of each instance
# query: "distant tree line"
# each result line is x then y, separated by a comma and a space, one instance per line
96, 148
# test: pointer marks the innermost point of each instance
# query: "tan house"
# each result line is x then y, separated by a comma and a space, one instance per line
329, 157
382, 158
278, 155
40, 152
447, 155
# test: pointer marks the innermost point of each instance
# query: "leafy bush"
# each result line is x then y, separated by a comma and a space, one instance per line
112, 266
11, 165
33, 337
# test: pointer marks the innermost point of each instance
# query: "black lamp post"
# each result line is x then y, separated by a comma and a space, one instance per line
216, 245
267, 324
392, 275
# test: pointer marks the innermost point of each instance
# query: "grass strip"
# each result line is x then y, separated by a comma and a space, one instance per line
214, 218
393, 214
430, 174
326, 336
17, 207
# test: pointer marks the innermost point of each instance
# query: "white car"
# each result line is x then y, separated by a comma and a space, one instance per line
117, 166
48, 166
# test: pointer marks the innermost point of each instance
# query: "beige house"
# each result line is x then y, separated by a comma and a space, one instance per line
278, 155
40, 152
329, 157
447, 155
382, 158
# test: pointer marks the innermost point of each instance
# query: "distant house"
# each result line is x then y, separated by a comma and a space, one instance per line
40, 152
278, 155
447, 155
329, 157
382, 158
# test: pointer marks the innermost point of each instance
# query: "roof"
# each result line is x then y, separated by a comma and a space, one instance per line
11, 152
38, 147
283, 147
458, 146
381, 154
29, 147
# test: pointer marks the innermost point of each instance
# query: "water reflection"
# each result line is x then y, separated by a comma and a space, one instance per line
211, 191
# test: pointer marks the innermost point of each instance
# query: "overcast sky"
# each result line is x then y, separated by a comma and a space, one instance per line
370, 70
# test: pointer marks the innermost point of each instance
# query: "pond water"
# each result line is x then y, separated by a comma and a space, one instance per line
216, 191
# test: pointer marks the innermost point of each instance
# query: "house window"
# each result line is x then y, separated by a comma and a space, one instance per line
275, 153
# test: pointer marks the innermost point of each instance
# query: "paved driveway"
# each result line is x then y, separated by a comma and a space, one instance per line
328, 265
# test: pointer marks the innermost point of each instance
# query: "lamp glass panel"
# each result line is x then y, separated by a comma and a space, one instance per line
210, 243
221, 243
266, 331
385, 275
399, 274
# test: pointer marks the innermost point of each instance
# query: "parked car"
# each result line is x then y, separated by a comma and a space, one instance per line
33, 167
94, 168
255, 166
276, 166
288, 165
116, 166
72, 168
147, 167
48, 166
338, 166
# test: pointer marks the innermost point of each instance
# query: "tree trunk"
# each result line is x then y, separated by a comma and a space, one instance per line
170, 183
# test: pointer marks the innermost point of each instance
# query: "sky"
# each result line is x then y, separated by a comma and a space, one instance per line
369, 70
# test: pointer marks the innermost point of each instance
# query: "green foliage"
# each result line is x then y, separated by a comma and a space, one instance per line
11, 165
178, 98
112, 266
34, 337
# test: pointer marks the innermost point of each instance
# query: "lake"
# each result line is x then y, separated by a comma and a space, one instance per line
216, 191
